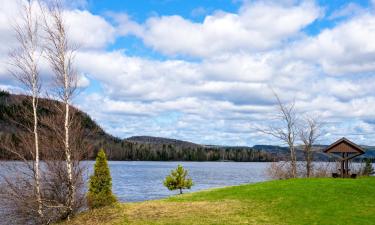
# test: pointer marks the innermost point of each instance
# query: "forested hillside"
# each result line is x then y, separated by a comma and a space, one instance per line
14, 111
133, 148
142, 147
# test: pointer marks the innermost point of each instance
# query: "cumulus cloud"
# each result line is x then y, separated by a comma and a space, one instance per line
85, 30
88, 30
214, 82
344, 49
250, 29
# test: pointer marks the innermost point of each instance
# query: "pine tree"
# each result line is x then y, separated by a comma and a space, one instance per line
368, 169
100, 189
178, 179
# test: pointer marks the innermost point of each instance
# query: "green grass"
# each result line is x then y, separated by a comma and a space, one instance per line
295, 201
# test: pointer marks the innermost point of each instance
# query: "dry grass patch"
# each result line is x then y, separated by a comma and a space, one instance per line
170, 212
197, 212
104, 216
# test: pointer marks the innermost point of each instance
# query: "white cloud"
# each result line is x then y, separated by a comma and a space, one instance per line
221, 96
84, 28
133, 77
250, 29
88, 30
345, 49
83, 81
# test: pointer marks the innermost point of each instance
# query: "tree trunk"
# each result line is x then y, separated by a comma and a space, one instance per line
293, 160
36, 163
180, 191
68, 161
308, 164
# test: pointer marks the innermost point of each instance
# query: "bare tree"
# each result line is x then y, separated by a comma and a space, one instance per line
286, 131
17, 178
57, 185
308, 134
19, 205
24, 62
60, 55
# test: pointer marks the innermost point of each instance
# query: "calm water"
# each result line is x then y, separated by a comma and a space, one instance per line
139, 181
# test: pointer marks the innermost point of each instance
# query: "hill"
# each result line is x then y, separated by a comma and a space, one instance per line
161, 140
133, 148
294, 201
11, 120
146, 147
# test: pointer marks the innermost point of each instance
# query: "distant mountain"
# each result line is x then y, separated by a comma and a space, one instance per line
283, 152
161, 140
147, 147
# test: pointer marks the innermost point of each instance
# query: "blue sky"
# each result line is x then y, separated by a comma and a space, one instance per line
204, 71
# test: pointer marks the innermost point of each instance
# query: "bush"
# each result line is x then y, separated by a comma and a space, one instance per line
282, 170
279, 170
100, 189
368, 169
178, 180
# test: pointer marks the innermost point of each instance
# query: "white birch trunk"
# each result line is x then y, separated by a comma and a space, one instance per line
36, 140
68, 152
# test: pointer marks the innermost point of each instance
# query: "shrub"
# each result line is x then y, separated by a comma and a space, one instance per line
178, 180
368, 169
100, 189
282, 170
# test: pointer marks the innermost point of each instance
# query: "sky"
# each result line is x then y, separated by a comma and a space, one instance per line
205, 71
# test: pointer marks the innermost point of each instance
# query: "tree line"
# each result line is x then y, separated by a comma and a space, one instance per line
127, 150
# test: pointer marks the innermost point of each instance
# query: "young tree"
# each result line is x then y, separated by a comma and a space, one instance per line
178, 179
100, 189
287, 131
368, 168
308, 135
24, 62
60, 55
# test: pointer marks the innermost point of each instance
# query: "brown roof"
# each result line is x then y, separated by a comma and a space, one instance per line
344, 145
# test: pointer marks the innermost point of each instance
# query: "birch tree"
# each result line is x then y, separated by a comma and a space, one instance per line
60, 55
24, 66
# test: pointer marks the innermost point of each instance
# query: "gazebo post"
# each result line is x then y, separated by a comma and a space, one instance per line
343, 166
347, 165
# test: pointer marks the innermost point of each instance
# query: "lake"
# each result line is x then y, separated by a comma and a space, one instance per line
135, 181
140, 180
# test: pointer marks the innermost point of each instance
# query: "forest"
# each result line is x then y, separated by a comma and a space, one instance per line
15, 107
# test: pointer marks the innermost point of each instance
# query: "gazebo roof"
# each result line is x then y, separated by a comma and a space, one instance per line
344, 145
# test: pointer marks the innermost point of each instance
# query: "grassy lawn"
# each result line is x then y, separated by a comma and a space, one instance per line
296, 201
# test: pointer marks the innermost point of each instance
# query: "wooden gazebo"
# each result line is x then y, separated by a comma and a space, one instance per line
344, 150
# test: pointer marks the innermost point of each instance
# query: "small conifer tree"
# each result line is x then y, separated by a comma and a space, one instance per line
100, 187
368, 169
178, 179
